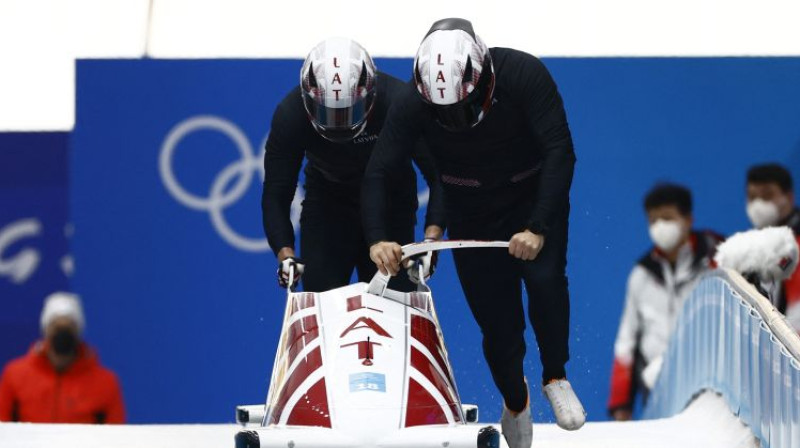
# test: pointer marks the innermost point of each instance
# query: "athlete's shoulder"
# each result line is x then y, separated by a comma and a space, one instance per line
511, 60
290, 119
394, 88
388, 82
292, 104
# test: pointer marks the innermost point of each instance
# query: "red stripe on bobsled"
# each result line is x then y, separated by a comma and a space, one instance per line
365, 322
424, 331
422, 408
419, 301
424, 366
312, 409
354, 303
300, 334
302, 301
304, 369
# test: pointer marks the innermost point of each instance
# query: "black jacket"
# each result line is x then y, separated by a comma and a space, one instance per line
519, 156
336, 166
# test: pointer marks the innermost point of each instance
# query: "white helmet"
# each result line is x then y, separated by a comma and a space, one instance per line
338, 86
454, 74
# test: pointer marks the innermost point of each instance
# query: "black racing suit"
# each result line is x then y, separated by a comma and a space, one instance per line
509, 173
331, 237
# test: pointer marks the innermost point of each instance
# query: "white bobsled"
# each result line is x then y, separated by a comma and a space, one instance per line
365, 366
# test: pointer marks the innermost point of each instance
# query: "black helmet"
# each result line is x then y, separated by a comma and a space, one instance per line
454, 74
338, 86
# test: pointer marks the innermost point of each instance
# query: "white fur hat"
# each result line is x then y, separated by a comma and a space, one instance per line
62, 304
770, 253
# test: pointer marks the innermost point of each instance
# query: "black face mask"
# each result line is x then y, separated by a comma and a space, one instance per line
64, 342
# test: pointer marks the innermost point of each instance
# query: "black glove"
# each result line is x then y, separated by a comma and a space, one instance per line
283, 271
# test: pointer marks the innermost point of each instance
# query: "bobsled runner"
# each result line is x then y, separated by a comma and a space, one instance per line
365, 366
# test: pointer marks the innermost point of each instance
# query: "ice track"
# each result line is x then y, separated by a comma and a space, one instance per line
706, 423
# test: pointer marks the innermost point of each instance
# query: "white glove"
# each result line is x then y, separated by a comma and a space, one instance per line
651, 371
427, 261
285, 267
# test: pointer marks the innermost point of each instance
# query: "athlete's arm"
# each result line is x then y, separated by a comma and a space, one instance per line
391, 153
547, 119
282, 161
435, 214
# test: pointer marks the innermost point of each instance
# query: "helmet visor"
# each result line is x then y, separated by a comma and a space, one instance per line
338, 120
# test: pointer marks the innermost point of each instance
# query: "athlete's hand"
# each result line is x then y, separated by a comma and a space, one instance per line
386, 255
525, 245
285, 267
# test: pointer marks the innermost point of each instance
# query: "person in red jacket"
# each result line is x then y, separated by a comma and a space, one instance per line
60, 380
771, 202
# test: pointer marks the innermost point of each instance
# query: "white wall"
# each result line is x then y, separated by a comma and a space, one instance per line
40, 39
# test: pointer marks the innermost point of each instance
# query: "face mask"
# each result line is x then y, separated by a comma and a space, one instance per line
666, 234
762, 213
64, 342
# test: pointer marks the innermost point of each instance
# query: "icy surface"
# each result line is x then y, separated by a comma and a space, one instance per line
706, 423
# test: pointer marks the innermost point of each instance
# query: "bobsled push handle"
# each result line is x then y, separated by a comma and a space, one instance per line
379, 282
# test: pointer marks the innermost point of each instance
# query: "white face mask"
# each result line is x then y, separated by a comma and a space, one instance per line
666, 234
762, 213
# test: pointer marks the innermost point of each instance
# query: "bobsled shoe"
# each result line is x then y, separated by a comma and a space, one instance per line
566, 406
518, 429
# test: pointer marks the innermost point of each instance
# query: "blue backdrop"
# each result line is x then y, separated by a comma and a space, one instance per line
182, 302
33, 233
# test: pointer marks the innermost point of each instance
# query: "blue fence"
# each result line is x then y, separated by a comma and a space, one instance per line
729, 339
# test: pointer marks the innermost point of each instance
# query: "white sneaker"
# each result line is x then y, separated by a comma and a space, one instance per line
566, 406
518, 430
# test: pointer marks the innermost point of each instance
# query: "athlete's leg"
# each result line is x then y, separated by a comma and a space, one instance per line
490, 279
548, 299
328, 240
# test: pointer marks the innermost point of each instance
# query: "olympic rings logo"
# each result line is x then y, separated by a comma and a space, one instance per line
218, 199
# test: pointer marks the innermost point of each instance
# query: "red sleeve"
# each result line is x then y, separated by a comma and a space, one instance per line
621, 386
7, 397
792, 286
115, 414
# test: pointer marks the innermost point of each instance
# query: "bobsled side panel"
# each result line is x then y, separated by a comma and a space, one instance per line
423, 330
302, 301
423, 409
300, 374
312, 409
423, 365
302, 332
297, 376
428, 359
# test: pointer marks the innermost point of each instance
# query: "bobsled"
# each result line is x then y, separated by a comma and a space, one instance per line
365, 366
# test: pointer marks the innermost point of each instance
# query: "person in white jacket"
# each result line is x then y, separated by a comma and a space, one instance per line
657, 286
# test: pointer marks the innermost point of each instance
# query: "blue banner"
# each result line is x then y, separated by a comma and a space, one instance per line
179, 287
34, 259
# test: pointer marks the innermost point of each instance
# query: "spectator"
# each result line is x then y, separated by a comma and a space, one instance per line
657, 287
771, 202
60, 380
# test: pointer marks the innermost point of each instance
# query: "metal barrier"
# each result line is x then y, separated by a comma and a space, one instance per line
730, 339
